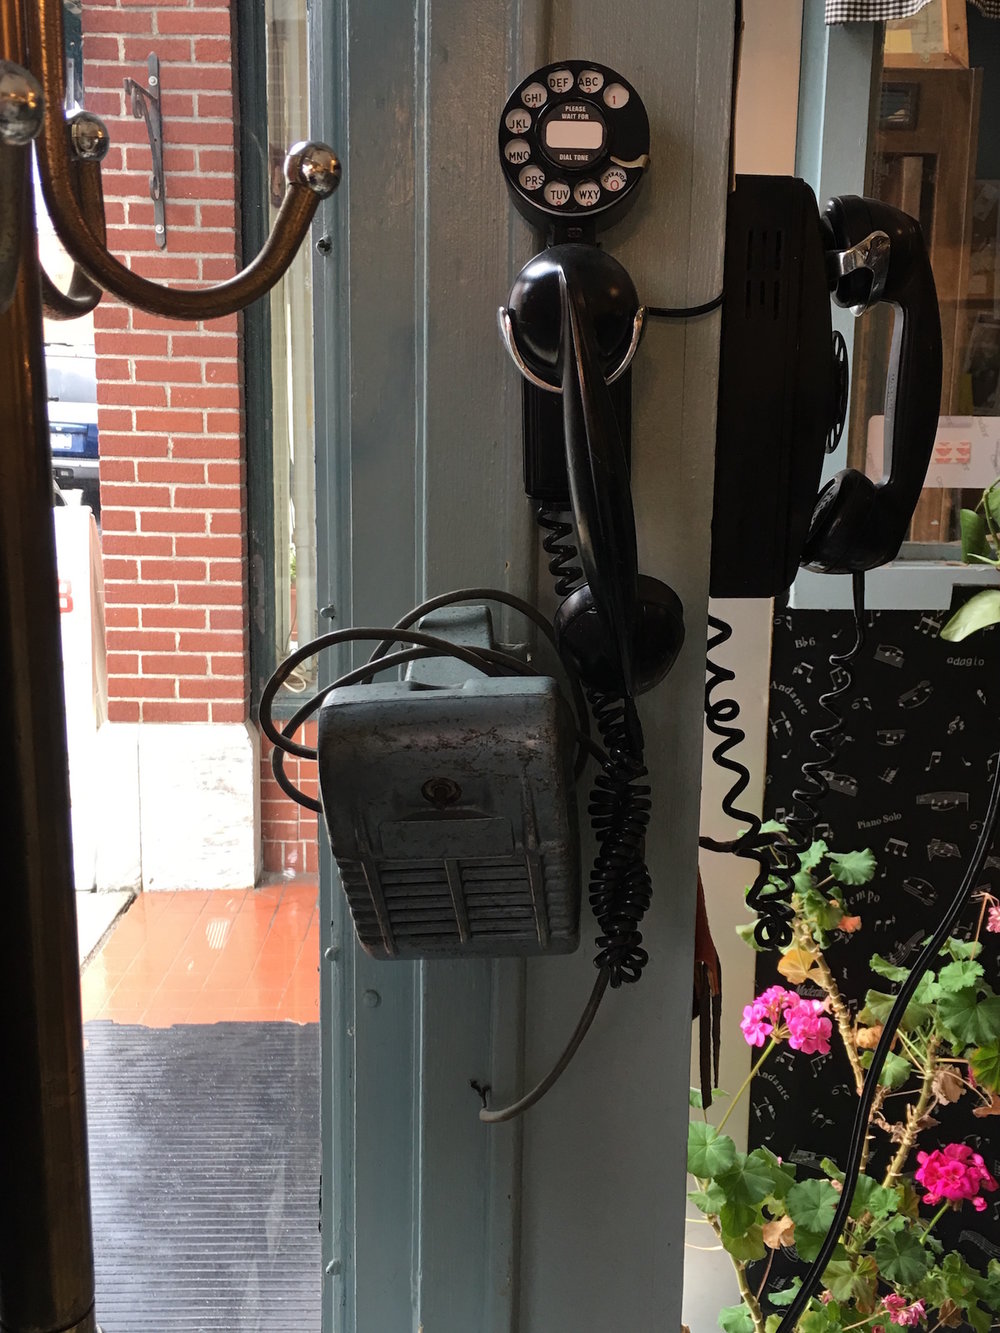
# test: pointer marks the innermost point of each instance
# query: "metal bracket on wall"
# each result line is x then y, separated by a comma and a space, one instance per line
146, 106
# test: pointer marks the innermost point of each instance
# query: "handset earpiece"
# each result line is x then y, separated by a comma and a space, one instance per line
879, 254
573, 313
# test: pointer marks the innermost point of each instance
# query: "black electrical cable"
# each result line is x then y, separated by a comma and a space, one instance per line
536, 1094
859, 1131
620, 914
685, 312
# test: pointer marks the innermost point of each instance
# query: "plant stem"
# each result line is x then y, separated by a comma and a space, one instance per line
933, 1222
877, 1103
767, 1273
914, 1115
826, 980
745, 1084
746, 1291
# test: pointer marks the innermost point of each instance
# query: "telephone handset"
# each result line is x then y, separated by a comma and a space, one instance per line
783, 385
880, 256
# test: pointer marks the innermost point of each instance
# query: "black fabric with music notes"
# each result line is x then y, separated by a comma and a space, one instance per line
909, 779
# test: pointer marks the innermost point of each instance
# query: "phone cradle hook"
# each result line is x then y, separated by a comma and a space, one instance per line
509, 341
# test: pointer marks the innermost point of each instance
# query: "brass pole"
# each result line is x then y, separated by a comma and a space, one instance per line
46, 1251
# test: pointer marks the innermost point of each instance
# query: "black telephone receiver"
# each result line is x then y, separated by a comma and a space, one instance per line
783, 389
574, 144
880, 255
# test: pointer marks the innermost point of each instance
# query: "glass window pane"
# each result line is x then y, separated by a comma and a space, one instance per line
936, 157
293, 454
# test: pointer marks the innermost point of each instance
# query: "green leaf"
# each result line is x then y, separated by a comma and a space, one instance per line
878, 1006
985, 1063
990, 502
811, 857
974, 536
972, 1019
782, 1176
818, 909
803, 881
957, 976
979, 612
896, 1072
695, 1099
749, 1180
748, 1246
960, 949
736, 1219
786, 1295
772, 1323
772, 826
888, 970
709, 1152
815, 1321
735, 1319
871, 1197
852, 1279
901, 1258
808, 1244
852, 867
927, 990
834, 1172
710, 1200
746, 934
980, 1319
811, 1205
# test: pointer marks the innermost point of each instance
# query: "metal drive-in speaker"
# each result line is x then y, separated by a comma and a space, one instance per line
451, 807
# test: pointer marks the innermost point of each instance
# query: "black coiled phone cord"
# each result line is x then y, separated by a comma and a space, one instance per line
770, 895
619, 809
773, 929
620, 882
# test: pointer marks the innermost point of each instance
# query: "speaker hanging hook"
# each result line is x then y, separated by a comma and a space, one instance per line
146, 105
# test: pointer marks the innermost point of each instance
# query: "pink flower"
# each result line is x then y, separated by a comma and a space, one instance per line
954, 1173
761, 1017
808, 1028
902, 1313
774, 999
755, 1027
993, 919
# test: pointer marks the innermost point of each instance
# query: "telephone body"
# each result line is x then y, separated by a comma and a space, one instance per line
783, 385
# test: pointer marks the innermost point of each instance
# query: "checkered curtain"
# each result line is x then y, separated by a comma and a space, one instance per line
875, 11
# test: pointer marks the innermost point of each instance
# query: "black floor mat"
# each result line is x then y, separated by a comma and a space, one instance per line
204, 1158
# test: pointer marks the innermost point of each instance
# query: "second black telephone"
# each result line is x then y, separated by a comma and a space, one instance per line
783, 385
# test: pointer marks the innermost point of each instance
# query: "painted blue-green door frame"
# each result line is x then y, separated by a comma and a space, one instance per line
573, 1218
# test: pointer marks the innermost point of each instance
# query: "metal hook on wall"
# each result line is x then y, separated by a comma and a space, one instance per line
146, 106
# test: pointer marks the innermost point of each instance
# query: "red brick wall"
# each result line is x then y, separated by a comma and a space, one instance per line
289, 830
173, 503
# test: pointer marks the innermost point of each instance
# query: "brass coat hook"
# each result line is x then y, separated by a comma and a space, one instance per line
311, 170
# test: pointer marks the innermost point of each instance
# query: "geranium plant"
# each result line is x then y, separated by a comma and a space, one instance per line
889, 1267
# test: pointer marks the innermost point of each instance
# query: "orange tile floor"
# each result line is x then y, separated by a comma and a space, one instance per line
208, 957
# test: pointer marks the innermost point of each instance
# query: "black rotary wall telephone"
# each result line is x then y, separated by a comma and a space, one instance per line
783, 385
574, 145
